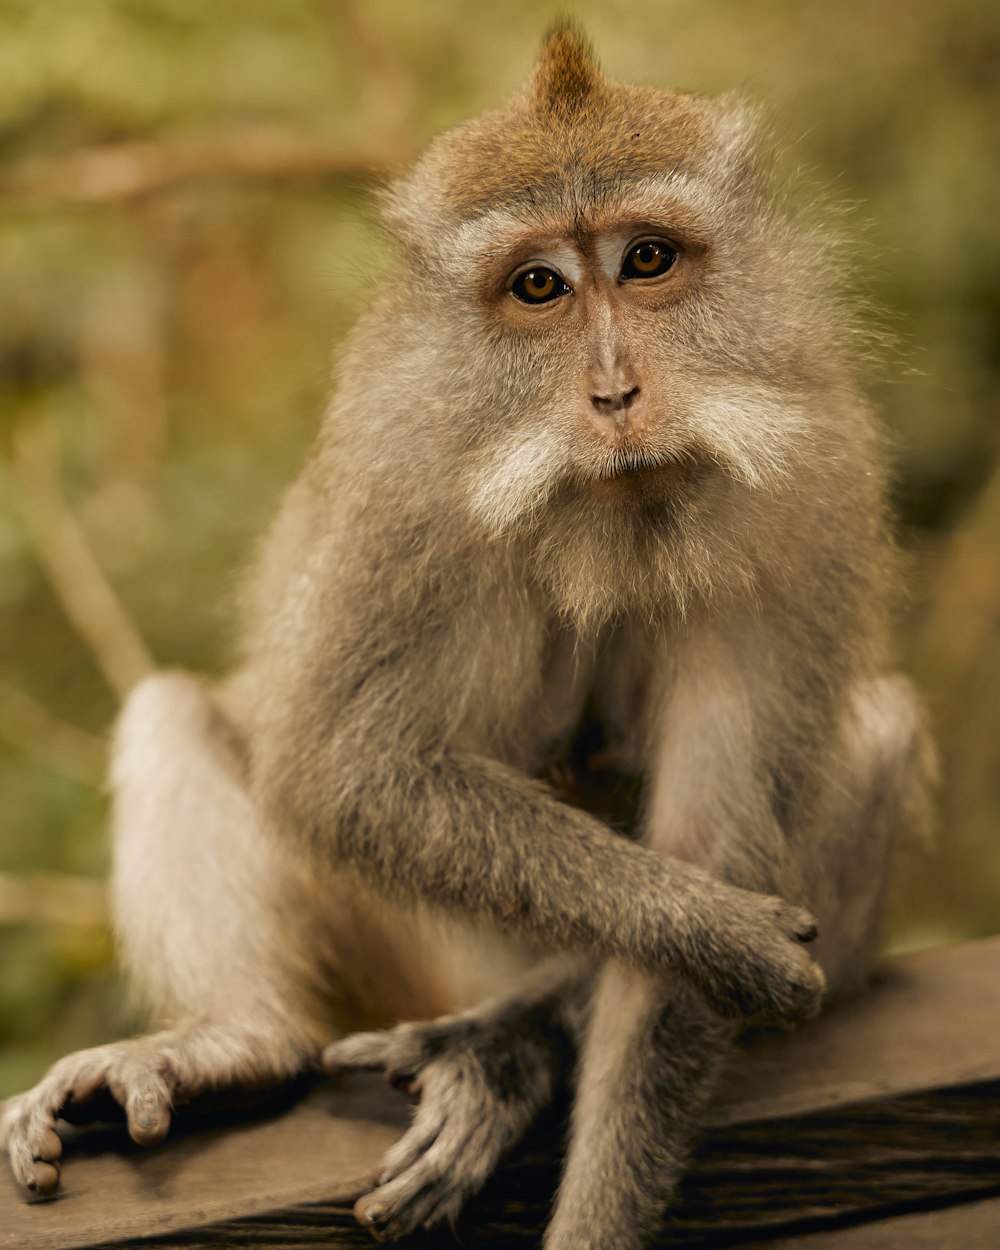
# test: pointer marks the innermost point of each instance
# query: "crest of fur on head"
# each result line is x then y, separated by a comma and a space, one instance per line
566, 74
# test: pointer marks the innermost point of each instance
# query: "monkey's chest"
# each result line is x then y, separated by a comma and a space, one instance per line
526, 692
557, 724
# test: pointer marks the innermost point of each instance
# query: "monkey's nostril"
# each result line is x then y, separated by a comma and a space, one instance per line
616, 401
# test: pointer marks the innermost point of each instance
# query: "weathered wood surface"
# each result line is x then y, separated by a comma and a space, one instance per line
889, 1104
969, 1226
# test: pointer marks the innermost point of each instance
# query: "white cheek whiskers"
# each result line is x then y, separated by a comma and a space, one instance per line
517, 480
750, 436
754, 437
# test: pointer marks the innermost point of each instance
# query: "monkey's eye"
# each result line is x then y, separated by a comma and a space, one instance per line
648, 260
538, 286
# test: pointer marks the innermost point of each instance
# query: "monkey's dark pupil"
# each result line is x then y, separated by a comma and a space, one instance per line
538, 286
648, 260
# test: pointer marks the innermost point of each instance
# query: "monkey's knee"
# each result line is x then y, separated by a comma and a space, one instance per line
167, 717
894, 761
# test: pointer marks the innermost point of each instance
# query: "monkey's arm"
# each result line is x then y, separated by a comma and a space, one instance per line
361, 764
470, 834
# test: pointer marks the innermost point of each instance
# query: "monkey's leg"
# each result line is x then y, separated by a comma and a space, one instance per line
650, 1063
197, 891
654, 1049
483, 1077
878, 791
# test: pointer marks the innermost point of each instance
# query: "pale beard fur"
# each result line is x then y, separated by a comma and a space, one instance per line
604, 551
634, 525
646, 562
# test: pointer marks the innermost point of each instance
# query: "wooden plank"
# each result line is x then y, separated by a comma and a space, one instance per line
971, 1226
890, 1100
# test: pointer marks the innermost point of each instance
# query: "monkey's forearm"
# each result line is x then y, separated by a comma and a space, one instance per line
472, 835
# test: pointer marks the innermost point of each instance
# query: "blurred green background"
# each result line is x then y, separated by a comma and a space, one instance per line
185, 230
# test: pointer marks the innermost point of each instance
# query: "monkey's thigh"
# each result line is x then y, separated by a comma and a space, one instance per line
214, 914
876, 792
210, 914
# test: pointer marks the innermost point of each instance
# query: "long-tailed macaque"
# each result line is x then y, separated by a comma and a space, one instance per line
596, 458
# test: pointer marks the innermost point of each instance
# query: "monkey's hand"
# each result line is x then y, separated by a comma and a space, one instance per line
482, 1079
749, 956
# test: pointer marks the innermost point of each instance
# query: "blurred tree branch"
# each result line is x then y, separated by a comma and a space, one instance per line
52, 898
75, 575
122, 171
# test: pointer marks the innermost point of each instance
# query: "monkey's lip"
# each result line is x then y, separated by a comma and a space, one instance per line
641, 479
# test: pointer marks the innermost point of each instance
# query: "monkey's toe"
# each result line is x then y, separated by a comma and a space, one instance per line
404, 1204
105, 1083
400, 1053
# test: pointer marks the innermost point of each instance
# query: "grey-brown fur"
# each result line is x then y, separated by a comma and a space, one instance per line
658, 506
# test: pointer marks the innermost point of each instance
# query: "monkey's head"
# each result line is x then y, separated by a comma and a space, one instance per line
611, 327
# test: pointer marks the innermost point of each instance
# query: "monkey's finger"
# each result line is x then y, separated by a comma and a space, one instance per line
795, 921
806, 928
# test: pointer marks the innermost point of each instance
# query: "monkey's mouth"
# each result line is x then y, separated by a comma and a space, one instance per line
630, 475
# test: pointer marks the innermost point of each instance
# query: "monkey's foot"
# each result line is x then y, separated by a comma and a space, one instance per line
142, 1080
481, 1084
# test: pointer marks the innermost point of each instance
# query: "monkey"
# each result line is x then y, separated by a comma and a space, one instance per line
598, 455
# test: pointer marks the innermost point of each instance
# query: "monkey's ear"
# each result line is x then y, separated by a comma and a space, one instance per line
565, 74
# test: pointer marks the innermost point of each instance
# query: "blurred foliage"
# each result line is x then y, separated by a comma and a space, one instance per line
176, 344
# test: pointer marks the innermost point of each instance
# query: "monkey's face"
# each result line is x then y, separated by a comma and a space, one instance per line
589, 318
589, 298
636, 345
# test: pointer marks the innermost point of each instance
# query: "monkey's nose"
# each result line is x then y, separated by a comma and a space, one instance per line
615, 400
